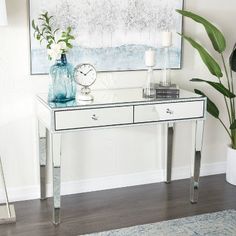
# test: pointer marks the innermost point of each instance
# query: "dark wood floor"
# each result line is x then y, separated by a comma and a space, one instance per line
111, 209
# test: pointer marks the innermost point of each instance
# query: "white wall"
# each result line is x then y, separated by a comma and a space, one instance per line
99, 159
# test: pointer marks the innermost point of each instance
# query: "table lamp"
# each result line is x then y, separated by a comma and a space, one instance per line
7, 213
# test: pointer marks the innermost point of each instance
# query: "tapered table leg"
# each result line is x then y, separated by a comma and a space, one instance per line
196, 162
170, 137
43, 137
56, 165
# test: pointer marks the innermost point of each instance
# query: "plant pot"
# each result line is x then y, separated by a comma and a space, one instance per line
231, 166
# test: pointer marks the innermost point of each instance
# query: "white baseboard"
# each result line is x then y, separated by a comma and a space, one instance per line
110, 182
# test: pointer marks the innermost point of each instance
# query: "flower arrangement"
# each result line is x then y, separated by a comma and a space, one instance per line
57, 43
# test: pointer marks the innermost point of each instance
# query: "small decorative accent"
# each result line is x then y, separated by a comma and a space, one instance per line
166, 44
150, 62
166, 39
62, 86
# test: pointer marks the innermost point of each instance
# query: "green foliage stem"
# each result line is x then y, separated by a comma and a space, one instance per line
44, 31
226, 90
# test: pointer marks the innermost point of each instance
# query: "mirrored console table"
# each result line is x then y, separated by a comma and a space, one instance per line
112, 108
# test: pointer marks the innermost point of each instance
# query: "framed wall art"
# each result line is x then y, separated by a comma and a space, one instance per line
113, 35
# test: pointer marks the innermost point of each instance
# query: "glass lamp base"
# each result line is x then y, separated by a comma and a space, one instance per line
148, 89
148, 93
165, 84
165, 79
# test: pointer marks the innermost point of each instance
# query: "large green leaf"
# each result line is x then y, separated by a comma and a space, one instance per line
218, 86
232, 59
211, 107
215, 35
209, 61
233, 125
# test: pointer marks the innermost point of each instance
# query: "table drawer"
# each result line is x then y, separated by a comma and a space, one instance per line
169, 111
87, 118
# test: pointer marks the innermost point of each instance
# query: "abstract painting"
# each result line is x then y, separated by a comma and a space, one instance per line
113, 35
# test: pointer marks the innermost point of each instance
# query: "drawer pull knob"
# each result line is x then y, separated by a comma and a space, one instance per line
94, 117
168, 111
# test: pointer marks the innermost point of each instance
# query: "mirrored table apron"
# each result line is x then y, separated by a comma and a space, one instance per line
116, 108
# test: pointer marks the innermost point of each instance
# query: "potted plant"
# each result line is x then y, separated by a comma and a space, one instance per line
62, 86
225, 89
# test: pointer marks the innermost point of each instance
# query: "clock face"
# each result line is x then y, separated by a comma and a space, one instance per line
85, 74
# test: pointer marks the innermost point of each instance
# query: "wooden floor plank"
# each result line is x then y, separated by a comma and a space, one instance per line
111, 209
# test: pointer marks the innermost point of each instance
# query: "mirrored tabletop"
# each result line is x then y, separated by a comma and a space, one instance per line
115, 97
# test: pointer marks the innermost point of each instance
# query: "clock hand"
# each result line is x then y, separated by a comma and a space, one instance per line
82, 73
88, 71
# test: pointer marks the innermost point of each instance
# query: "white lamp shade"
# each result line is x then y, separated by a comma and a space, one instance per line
3, 13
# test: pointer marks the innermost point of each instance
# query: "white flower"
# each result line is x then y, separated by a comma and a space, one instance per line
55, 51
54, 55
63, 45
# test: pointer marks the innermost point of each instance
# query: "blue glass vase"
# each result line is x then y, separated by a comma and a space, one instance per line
62, 87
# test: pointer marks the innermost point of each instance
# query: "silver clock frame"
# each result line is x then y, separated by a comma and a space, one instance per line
85, 90
76, 69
